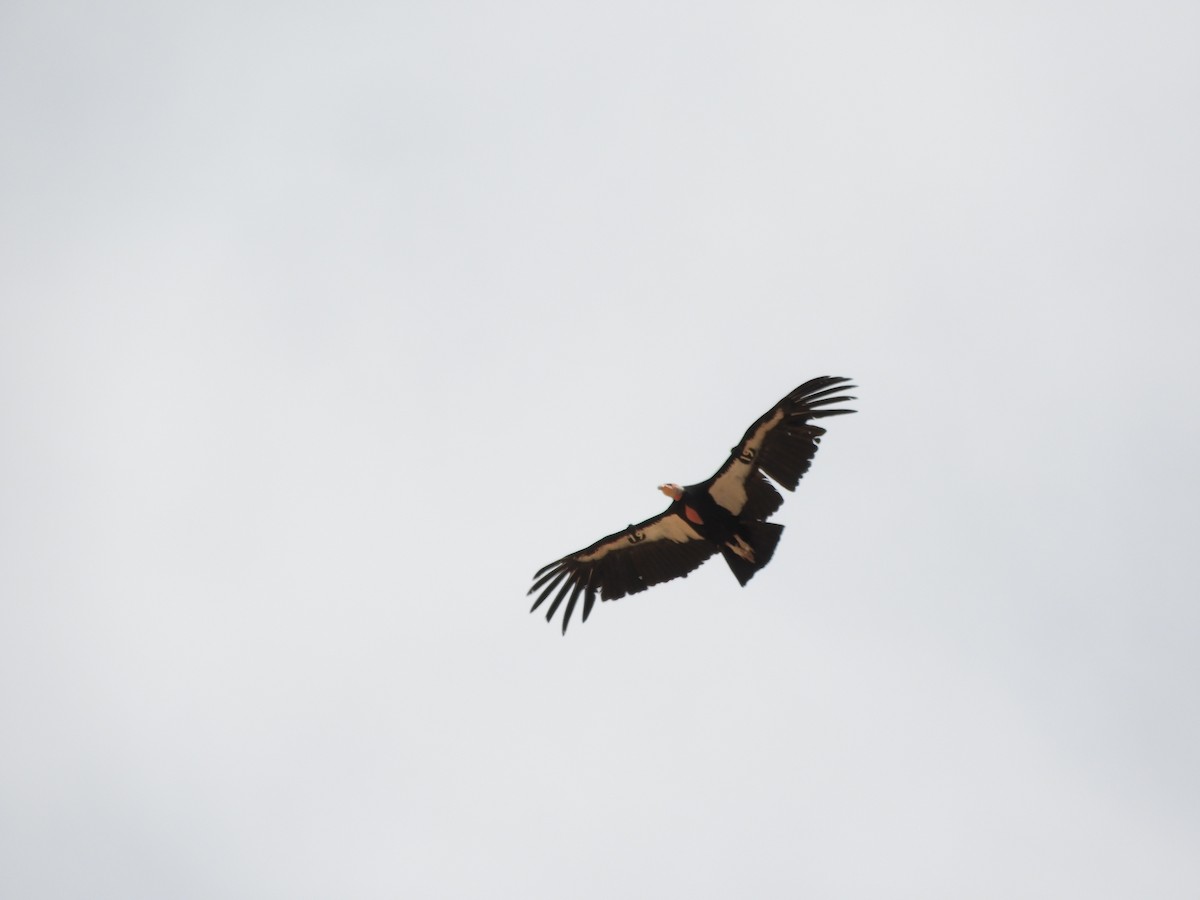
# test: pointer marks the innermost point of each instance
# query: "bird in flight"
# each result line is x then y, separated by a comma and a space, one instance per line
726, 514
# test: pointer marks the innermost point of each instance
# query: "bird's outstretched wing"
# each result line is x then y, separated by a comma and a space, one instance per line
780, 444
627, 562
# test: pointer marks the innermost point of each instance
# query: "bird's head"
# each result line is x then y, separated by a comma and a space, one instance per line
672, 490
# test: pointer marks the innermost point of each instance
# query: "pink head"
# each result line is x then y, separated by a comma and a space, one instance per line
672, 490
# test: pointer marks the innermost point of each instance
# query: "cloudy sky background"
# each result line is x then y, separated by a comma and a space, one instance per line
322, 326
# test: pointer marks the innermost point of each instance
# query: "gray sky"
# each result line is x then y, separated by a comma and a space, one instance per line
323, 326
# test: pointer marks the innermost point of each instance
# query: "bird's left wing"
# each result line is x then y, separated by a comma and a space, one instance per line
627, 562
781, 444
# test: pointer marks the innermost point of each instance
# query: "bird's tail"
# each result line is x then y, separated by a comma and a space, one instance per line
751, 549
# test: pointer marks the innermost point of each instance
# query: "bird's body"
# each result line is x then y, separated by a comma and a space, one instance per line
726, 514
743, 538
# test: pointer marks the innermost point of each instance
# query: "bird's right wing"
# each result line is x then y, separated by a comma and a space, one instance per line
627, 562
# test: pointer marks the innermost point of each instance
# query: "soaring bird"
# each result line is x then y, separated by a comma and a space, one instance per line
727, 513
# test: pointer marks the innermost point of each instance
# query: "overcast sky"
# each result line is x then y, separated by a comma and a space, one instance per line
324, 325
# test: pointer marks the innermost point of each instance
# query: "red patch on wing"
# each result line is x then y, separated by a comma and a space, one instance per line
692, 516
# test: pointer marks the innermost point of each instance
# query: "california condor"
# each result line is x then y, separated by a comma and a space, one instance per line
727, 513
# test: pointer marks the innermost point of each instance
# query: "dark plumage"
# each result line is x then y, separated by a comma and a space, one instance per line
725, 514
